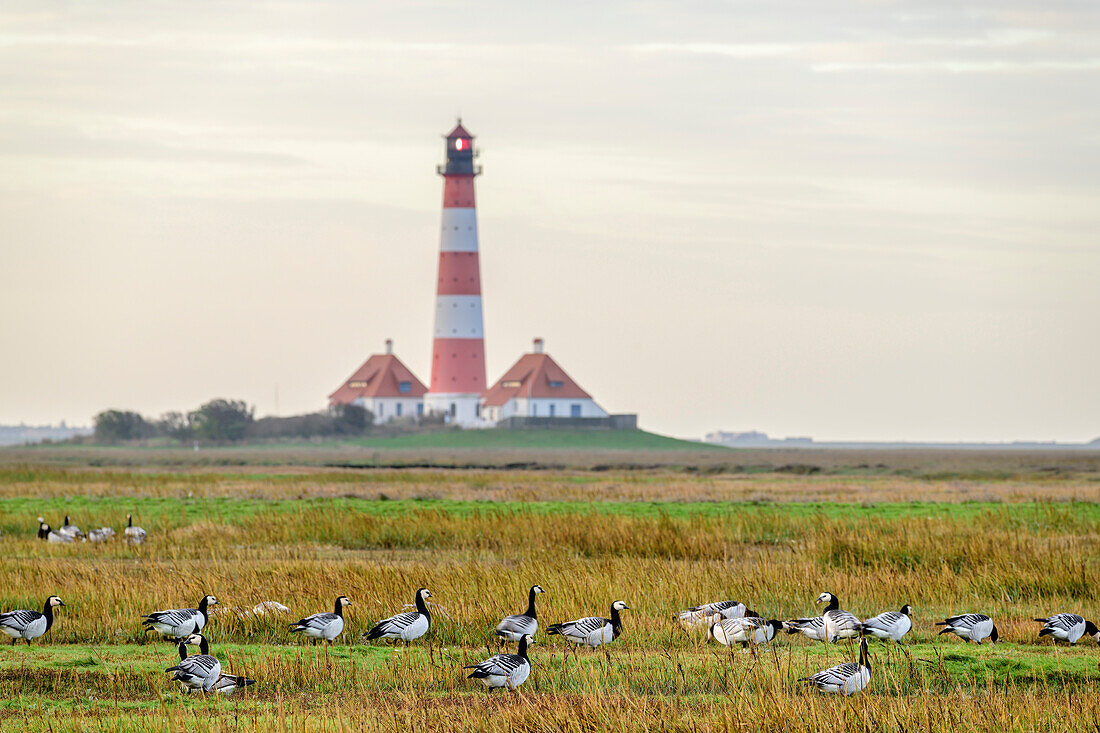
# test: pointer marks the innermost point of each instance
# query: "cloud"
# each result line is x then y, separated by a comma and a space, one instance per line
959, 66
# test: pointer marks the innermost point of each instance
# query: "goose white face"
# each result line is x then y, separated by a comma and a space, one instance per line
620, 606
55, 601
538, 589
824, 598
343, 601
425, 593
530, 639
211, 601
906, 610
194, 639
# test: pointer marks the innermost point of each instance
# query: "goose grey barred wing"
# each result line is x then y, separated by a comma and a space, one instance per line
502, 665
1064, 621
174, 617
394, 624
580, 627
200, 665
837, 675
517, 626
19, 619
716, 607
884, 620
965, 620
317, 621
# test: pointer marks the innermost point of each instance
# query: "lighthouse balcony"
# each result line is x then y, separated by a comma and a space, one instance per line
458, 168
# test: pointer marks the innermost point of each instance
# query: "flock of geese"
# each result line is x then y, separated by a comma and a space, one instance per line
727, 622
68, 532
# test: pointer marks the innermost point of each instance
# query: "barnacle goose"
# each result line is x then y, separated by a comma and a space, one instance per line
101, 534
504, 670
27, 625
592, 630
705, 615
179, 622
744, 630
889, 625
200, 672
133, 535
406, 626
812, 628
970, 626
45, 533
228, 684
513, 628
1068, 627
69, 529
838, 624
845, 679
325, 626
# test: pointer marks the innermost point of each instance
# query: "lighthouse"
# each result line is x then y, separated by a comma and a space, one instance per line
458, 345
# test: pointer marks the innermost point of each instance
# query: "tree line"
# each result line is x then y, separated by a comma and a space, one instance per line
228, 421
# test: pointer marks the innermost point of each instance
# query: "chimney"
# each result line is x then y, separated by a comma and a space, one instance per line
538, 346
389, 346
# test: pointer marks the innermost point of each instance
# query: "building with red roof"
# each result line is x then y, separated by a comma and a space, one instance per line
383, 385
536, 386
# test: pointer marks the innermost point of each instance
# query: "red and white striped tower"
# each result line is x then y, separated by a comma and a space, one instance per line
458, 349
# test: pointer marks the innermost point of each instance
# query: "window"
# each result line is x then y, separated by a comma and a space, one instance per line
454, 409
381, 408
574, 410
399, 409
534, 410
551, 409
357, 384
404, 387
510, 384
555, 383
420, 409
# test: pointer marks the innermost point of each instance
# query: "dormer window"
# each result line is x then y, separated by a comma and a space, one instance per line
510, 384
357, 384
404, 387
555, 383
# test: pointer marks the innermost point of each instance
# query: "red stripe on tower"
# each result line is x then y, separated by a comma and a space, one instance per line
458, 348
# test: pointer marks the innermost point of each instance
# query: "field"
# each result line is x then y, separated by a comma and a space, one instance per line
1015, 538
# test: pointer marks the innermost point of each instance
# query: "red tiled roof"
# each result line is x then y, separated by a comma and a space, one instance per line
459, 131
531, 377
380, 376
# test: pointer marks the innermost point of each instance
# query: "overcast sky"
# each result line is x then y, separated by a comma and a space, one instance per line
841, 219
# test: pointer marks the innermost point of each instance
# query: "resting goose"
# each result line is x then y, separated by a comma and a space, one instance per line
705, 615
228, 684
513, 628
325, 626
27, 625
45, 533
838, 624
592, 630
1068, 627
744, 630
844, 679
179, 623
970, 626
504, 670
812, 628
200, 672
133, 535
69, 529
99, 535
406, 626
889, 625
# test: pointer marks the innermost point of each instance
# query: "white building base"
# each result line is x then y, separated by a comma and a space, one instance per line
459, 409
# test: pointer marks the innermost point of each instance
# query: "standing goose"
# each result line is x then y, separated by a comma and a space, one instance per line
705, 615
325, 626
406, 626
27, 625
228, 684
970, 626
812, 628
504, 670
69, 529
889, 625
838, 624
200, 672
844, 679
1068, 627
744, 630
514, 628
45, 533
179, 623
592, 630
133, 535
